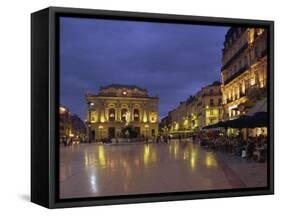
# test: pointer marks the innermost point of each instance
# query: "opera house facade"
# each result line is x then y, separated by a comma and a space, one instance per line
118, 106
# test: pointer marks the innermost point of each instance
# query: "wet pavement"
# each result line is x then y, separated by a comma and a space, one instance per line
91, 170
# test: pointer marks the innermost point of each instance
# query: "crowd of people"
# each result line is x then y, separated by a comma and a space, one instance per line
69, 141
250, 148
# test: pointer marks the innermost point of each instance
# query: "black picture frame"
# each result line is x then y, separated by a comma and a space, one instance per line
45, 98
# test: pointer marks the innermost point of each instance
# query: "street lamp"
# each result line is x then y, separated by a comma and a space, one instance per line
90, 105
146, 130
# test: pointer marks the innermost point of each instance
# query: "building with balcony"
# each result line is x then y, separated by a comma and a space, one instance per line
117, 106
207, 107
244, 70
199, 110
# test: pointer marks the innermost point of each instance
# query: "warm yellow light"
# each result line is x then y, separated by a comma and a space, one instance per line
176, 126
193, 158
232, 107
192, 162
102, 119
185, 123
71, 135
101, 155
144, 117
93, 117
251, 34
260, 31
210, 160
152, 117
146, 153
253, 81
62, 110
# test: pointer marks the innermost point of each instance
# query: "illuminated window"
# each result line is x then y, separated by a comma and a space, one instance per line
136, 115
260, 31
243, 87
111, 114
253, 80
123, 114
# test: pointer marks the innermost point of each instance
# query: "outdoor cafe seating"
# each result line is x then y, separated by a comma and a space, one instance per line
251, 148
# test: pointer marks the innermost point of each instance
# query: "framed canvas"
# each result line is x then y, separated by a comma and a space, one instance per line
139, 107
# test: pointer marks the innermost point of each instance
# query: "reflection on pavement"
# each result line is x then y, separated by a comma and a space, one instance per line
89, 170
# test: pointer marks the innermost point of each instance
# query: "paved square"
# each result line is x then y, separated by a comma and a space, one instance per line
92, 170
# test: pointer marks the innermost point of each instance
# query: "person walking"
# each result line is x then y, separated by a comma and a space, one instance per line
250, 148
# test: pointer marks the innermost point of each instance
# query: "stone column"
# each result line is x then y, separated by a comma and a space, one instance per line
106, 114
132, 112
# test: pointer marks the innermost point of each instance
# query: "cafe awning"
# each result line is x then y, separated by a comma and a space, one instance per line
217, 125
259, 119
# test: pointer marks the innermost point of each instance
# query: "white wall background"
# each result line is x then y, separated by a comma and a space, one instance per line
15, 106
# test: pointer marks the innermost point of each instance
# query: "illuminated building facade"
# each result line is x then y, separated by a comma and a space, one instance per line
70, 125
206, 108
244, 70
118, 106
203, 108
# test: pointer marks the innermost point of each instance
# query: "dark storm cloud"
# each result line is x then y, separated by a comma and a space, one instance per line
170, 60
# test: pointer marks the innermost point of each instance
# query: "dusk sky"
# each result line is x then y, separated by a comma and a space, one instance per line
172, 61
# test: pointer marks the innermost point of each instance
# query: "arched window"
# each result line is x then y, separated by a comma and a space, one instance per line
111, 114
136, 115
123, 114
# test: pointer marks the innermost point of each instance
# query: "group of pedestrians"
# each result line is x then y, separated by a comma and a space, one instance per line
159, 139
67, 141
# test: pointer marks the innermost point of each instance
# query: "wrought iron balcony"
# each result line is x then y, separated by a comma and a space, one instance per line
239, 72
235, 56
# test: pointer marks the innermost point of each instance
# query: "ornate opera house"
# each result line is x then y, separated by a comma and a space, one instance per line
118, 106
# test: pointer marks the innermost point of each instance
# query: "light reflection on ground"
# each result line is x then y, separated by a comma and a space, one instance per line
89, 170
